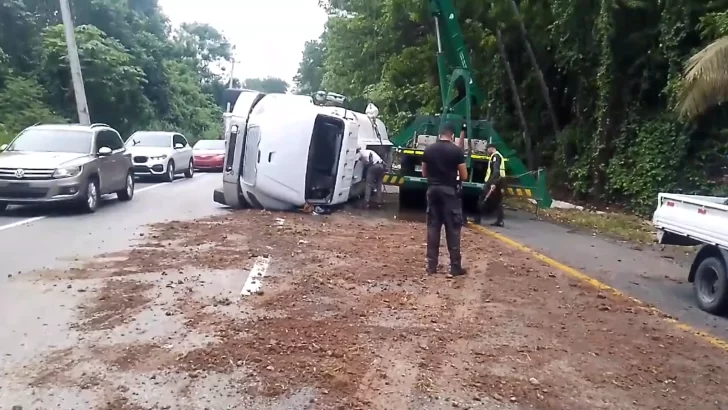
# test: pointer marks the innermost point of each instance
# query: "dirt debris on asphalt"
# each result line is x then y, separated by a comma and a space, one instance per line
348, 320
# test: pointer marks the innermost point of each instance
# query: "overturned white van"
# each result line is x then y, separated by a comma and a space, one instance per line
284, 151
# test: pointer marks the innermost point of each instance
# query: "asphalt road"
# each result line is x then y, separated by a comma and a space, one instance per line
37, 316
33, 238
46, 238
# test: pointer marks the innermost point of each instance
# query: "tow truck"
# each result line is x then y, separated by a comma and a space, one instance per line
461, 99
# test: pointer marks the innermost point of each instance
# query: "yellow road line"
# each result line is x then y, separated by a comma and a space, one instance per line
715, 341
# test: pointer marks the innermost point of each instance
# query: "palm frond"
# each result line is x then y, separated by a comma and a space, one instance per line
705, 79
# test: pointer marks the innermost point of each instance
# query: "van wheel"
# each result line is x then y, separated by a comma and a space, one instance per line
127, 193
169, 176
92, 196
711, 286
190, 170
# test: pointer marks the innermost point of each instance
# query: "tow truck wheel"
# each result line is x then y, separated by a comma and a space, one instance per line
711, 286
169, 176
190, 170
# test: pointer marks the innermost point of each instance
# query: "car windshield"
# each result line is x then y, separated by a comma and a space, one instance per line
144, 139
50, 140
210, 144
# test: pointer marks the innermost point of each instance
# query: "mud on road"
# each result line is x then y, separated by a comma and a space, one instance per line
347, 320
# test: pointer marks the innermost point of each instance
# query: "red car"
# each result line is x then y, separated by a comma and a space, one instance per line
209, 155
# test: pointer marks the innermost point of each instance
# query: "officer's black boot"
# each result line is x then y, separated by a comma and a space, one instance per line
499, 214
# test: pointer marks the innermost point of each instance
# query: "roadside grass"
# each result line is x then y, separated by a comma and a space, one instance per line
616, 225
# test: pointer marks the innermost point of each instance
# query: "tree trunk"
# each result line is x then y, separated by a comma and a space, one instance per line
541, 81
516, 98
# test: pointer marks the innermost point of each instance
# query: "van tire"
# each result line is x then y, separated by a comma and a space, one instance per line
710, 285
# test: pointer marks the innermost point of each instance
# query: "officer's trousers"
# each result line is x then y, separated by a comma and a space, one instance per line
494, 202
444, 207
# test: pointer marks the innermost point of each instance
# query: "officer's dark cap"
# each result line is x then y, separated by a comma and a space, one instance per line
448, 128
491, 146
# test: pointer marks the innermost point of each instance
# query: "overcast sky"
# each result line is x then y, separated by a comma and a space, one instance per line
268, 34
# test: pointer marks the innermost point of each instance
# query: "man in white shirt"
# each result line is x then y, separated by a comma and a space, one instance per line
375, 170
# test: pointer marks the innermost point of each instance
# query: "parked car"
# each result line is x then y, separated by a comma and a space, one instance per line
161, 154
209, 155
65, 163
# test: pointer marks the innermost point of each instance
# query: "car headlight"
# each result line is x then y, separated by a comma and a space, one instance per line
158, 157
67, 172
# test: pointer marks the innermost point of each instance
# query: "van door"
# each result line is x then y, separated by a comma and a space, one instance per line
235, 148
348, 157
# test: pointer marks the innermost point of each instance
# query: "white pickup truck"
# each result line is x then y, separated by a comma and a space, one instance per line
692, 220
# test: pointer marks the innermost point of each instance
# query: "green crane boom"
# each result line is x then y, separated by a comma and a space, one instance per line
461, 101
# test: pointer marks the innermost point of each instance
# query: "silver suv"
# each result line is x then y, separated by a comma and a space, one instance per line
65, 163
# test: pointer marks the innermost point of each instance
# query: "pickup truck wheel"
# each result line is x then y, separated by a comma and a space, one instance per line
169, 176
92, 197
711, 286
190, 171
127, 193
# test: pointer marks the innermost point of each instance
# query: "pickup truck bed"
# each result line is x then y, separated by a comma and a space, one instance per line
692, 220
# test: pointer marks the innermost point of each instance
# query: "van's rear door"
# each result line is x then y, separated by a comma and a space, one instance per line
347, 158
235, 147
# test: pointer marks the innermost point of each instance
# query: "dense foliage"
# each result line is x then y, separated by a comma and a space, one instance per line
612, 71
138, 72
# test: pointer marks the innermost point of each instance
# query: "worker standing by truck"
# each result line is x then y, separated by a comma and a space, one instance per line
442, 163
493, 187
375, 170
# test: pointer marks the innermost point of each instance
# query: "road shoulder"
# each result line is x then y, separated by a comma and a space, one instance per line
641, 271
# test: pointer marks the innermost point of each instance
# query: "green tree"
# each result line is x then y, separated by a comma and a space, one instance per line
310, 73
266, 85
114, 84
706, 79
605, 75
140, 73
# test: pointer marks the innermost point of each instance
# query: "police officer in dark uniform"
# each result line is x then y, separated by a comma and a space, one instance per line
442, 163
493, 189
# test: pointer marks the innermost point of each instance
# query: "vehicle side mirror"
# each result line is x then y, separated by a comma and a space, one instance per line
3, 147
104, 151
178, 146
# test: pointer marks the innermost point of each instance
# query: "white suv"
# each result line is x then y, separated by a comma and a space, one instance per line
159, 153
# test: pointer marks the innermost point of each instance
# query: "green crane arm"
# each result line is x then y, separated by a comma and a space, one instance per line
459, 92
461, 98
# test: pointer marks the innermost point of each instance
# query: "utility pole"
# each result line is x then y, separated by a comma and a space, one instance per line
76, 77
230, 83
232, 71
